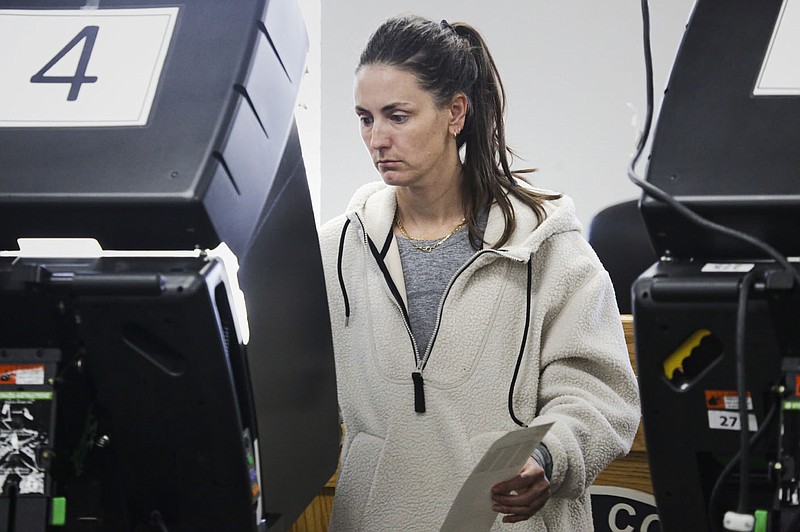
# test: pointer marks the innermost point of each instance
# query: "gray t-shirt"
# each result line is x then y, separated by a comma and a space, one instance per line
427, 274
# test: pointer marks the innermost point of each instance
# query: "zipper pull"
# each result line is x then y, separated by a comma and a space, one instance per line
419, 393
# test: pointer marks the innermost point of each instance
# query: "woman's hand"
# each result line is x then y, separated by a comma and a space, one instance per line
522, 495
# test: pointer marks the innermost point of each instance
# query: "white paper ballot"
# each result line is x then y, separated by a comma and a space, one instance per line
472, 509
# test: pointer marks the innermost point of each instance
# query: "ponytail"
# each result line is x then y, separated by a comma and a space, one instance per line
487, 168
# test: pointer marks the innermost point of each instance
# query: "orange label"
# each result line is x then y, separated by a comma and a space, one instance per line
22, 374
726, 400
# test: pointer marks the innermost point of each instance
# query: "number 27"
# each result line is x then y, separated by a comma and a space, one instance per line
79, 78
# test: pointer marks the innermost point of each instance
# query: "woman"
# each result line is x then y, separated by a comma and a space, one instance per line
464, 303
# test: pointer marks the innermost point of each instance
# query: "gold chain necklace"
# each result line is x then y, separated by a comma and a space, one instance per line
426, 249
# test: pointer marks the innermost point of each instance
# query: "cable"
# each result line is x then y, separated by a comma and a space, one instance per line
741, 389
713, 524
656, 193
743, 456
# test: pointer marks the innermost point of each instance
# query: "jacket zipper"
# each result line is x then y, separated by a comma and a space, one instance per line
419, 388
421, 365
416, 376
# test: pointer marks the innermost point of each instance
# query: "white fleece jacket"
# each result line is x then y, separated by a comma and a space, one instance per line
400, 469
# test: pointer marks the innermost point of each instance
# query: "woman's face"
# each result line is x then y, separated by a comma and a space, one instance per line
408, 137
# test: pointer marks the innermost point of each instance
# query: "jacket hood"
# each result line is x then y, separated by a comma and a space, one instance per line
374, 205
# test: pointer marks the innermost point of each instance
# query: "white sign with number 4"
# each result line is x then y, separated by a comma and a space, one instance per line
81, 68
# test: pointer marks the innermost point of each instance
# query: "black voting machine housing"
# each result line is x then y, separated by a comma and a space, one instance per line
159, 418
732, 157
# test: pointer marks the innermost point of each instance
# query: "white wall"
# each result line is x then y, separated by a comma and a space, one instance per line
573, 72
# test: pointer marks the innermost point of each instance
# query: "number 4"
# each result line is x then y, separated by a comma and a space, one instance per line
90, 34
